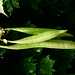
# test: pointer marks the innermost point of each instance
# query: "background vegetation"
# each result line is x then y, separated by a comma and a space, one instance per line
57, 14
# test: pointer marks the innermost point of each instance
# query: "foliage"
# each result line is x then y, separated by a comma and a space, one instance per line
1, 7
31, 47
63, 60
45, 66
30, 66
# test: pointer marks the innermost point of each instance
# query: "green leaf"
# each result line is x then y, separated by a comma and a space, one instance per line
61, 56
15, 4
45, 66
37, 31
2, 51
30, 66
9, 8
40, 37
57, 44
1, 8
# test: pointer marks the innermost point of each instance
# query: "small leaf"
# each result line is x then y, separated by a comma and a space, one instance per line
9, 8
15, 4
45, 66
30, 66
37, 31
40, 37
57, 44
1, 8
2, 51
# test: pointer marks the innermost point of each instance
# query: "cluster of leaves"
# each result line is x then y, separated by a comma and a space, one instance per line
43, 67
14, 3
9, 5
63, 59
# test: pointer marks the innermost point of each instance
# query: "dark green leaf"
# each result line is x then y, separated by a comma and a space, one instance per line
15, 4
45, 67
9, 8
30, 66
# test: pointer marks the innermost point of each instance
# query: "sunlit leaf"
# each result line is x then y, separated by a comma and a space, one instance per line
1, 8
57, 44
40, 37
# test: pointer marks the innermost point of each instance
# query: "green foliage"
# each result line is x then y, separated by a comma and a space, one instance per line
9, 8
45, 66
15, 3
2, 51
36, 61
10, 4
30, 66
63, 60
